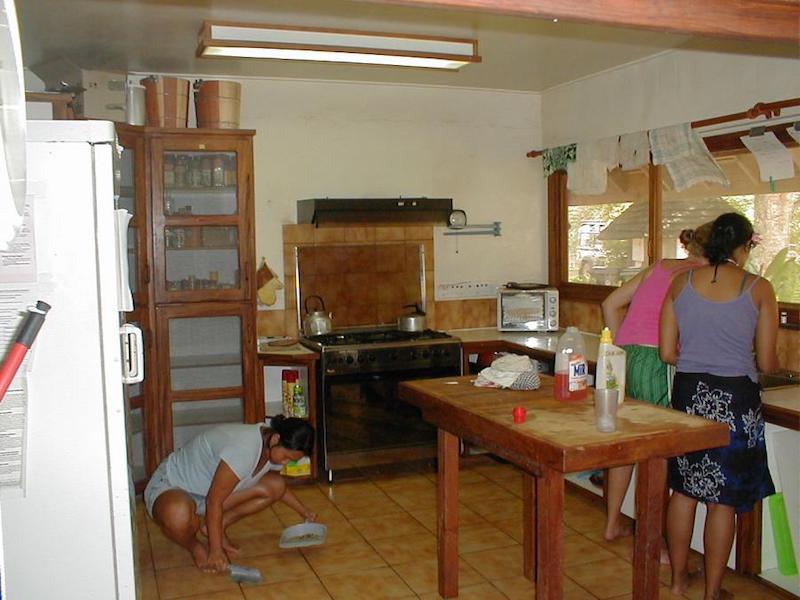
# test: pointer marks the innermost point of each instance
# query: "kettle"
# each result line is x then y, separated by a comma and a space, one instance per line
316, 322
412, 322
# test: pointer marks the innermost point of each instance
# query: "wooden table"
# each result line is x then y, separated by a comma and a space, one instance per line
557, 438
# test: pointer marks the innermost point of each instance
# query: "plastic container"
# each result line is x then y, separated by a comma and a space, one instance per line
571, 369
303, 534
299, 404
610, 365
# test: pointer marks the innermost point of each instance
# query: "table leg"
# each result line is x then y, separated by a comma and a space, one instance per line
550, 535
447, 515
651, 478
529, 526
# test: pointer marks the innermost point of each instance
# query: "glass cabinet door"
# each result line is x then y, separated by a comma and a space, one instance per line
202, 219
208, 367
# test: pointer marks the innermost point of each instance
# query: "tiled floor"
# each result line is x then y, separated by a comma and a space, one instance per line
381, 544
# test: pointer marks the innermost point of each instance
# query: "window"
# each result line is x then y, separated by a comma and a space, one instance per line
607, 233
601, 241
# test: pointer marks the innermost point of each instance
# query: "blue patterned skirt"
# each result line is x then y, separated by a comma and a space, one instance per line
734, 475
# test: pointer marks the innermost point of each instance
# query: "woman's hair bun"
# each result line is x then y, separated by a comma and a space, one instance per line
686, 236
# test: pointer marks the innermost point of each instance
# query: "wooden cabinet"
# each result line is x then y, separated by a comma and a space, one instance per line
191, 267
298, 358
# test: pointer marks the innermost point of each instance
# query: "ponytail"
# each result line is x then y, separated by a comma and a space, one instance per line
728, 232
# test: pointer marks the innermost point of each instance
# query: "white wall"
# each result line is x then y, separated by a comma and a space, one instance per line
669, 88
318, 139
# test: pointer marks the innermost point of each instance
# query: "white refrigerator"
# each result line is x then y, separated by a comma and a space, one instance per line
69, 533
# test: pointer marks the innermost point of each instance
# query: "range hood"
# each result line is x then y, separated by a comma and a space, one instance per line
374, 210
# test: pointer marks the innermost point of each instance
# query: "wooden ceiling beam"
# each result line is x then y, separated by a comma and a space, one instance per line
771, 20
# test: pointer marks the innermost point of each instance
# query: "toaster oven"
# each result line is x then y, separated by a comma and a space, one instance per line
533, 309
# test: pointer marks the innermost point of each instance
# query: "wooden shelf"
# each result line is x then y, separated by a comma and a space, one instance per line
202, 191
205, 360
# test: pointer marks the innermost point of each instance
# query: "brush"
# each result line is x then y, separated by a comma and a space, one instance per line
242, 574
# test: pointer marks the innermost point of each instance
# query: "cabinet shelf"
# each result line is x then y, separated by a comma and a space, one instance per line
202, 191
183, 248
205, 360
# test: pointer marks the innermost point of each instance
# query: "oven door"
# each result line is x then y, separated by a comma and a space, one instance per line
363, 422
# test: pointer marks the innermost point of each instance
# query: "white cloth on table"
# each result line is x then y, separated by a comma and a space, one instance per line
510, 371
634, 150
686, 157
589, 173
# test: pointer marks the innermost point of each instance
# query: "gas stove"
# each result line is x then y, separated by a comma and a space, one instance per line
376, 350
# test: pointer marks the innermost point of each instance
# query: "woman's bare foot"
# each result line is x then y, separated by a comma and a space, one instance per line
199, 553
617, 530
681, 584
230, 548
664, 558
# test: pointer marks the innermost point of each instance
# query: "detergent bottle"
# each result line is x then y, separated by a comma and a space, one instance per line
571, 368
610, 365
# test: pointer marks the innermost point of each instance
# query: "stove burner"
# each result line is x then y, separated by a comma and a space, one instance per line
378, 336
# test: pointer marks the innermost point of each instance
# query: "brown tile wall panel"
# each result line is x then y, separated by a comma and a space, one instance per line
389, 234
298, 234
586, 316
270, 323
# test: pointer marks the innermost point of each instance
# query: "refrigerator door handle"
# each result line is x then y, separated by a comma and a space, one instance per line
124, 297
132, 353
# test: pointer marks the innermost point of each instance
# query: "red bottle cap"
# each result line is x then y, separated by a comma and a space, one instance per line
519, 413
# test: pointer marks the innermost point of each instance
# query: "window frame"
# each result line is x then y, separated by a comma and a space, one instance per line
557, 204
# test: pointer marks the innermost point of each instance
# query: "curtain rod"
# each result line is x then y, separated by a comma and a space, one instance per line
765, 109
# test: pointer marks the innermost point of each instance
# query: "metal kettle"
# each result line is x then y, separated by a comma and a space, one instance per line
316, 322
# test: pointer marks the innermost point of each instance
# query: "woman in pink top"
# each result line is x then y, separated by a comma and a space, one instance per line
647, 378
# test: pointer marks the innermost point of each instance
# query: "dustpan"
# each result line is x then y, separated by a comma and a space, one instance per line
303, 535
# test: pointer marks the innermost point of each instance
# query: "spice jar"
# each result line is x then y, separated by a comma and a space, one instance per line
205, 167
218, 172
169, 171
230, 171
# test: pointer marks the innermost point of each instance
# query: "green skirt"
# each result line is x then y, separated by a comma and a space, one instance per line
646, 377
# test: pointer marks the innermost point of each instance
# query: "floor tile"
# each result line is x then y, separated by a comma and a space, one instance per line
579, 550
366, 584
181, 582
496, 564
391, 525
381, 544
482, 537
352, 557
406, 549
483, 591
604, 578
422, 576
289, 565
309, 588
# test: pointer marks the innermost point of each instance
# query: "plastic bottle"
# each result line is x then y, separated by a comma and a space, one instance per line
299, 404
610, 365
571, 369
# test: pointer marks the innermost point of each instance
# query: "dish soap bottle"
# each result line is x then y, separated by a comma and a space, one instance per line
299, 404
610, 365
571, 368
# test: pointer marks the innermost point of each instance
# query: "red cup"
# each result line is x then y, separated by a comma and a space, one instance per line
519, 413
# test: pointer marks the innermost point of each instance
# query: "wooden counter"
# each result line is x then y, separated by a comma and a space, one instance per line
781, 406
557, 438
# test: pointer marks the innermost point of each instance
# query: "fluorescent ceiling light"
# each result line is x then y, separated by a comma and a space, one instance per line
242, 40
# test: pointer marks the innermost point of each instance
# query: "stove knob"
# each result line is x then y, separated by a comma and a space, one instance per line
349, 360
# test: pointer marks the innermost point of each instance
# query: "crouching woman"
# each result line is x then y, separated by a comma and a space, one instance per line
225, 474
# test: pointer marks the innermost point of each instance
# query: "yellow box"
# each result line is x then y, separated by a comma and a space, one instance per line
297, 468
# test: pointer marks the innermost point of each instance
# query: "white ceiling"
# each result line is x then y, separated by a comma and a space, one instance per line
160, 36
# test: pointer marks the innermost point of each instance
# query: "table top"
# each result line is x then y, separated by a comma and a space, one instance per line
558, 435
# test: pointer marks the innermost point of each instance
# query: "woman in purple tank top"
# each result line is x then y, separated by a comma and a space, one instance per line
712, 320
